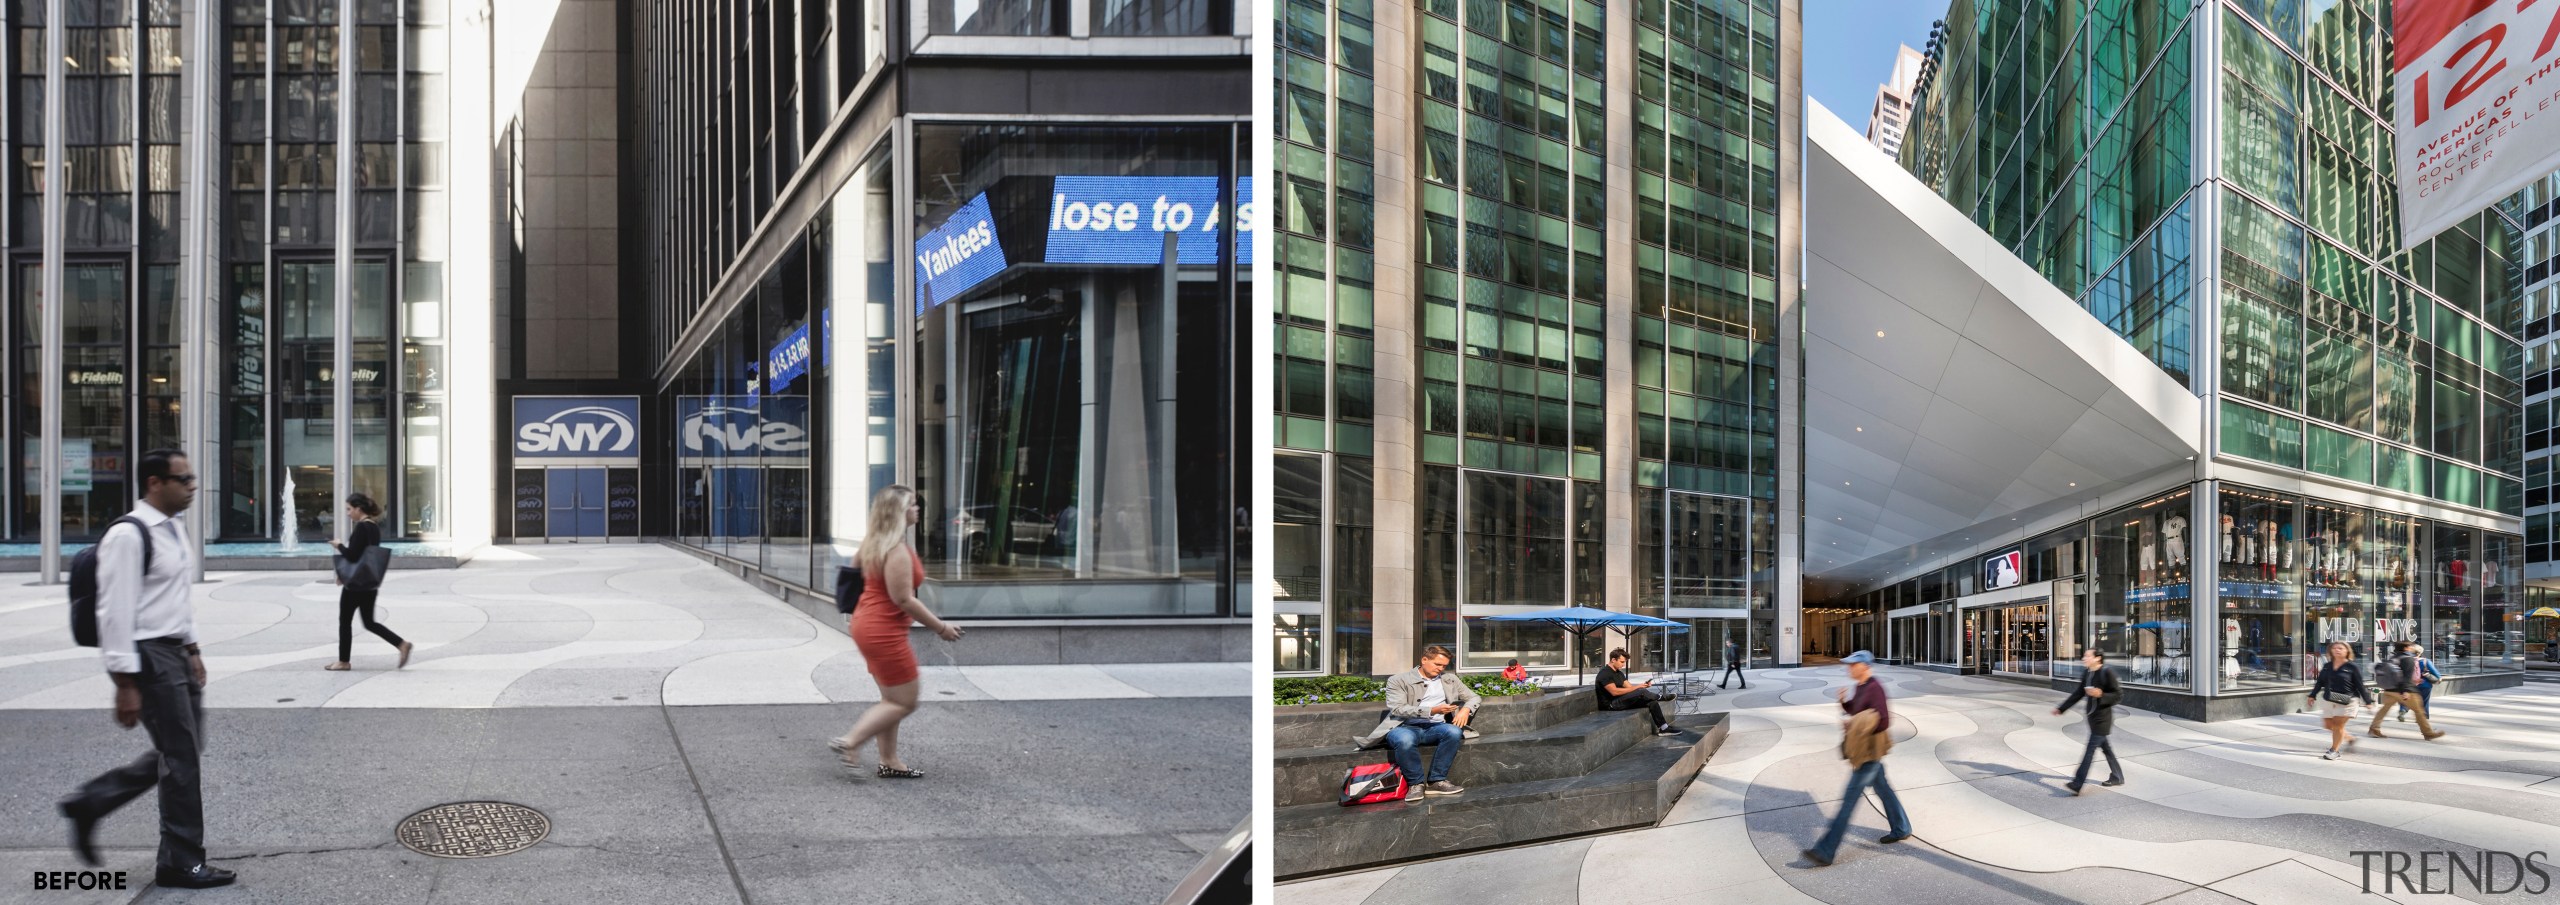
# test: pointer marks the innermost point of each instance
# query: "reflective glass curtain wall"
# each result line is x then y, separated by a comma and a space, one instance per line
277, 178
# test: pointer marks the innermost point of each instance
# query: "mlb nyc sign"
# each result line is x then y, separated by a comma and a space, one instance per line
577, 430
2477, 93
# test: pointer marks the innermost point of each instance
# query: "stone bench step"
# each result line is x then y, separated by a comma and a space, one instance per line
1321, 725
1314, 775
1635, 788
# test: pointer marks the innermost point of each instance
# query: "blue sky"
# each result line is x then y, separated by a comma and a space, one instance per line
1849, 45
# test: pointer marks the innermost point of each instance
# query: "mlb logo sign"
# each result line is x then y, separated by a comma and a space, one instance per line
2003, 571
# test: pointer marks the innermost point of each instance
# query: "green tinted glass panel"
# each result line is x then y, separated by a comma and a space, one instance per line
2341, 455
2261, 435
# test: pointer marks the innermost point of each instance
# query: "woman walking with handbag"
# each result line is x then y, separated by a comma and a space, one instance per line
892, 571
357, 596
2337, 693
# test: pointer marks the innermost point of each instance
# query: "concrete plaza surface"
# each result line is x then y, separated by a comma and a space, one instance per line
2240, 811
667, 719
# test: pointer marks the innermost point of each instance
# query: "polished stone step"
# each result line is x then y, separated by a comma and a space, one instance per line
1571, 748
1636, 788
1320, 725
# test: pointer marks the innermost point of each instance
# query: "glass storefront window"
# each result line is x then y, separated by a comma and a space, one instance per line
1072, 384
2261, 619
860, 361
2140, 591
2501, 572
2453, 580
2393, 567
2338, 597
1162, 18
996, 17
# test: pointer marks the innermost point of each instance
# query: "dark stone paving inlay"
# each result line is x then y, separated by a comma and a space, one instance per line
473, 829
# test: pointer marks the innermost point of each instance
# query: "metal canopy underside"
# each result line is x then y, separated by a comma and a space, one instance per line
1949, 387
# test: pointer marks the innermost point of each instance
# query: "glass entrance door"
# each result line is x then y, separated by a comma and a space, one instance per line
576, 497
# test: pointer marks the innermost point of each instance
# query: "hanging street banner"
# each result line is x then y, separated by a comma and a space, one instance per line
2478, 96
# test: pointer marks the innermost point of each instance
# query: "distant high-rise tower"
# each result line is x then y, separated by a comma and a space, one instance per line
1893, 102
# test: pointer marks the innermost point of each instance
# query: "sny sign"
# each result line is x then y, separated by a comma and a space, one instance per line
719, 429
588, 429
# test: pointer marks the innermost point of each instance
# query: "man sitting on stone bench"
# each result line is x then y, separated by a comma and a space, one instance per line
1616, 693
1426, 705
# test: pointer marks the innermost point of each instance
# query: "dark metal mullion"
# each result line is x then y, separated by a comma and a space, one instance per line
395, 395
269, 278
137, 212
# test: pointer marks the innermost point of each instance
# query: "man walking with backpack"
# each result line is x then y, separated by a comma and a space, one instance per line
2398, 677
145, 568
2102, 690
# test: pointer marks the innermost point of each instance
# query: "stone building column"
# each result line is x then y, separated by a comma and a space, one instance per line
1396, 442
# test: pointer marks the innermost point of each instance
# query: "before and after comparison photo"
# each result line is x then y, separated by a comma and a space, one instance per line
1310, 452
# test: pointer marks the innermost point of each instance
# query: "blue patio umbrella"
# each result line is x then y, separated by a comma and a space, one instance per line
1583, 620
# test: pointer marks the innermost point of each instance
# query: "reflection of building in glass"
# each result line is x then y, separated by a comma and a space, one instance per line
274, 172
1508, 376
2359, 475
992, 250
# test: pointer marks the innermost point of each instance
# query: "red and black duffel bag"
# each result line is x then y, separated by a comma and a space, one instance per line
1372, 783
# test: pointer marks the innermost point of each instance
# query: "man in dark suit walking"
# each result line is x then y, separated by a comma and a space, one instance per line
147, 636
1732, 664
2102, 690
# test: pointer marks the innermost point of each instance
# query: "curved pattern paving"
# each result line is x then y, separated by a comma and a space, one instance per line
2238, 811
537, 626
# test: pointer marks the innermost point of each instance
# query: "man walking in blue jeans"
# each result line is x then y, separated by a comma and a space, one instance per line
2102, 690
1864, 740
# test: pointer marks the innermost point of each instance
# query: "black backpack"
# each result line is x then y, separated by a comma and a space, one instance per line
2387, 674
84, 582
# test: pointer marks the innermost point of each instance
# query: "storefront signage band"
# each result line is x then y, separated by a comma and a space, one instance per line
577, 430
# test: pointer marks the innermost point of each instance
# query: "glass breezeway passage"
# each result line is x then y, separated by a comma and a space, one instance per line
2017, 640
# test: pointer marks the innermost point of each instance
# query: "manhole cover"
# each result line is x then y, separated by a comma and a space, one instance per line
473, 829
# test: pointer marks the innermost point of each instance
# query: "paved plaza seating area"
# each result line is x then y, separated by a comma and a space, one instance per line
2232, 811
1546, 765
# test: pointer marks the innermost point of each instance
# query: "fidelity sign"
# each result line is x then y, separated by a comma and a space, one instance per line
578, 430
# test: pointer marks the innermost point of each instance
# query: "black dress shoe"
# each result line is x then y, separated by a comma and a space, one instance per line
1891, 838
2073, 786
2114, 782
81, 829
1817, 858
201, 876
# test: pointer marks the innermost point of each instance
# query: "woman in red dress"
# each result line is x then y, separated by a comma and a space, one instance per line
891, 573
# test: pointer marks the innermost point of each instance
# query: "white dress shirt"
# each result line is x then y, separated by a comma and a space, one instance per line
135, 607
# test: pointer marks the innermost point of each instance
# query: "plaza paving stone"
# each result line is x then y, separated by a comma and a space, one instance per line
2237, 811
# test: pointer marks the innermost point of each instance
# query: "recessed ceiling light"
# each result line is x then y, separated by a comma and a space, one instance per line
2075, 483
1879, 334
1864, 430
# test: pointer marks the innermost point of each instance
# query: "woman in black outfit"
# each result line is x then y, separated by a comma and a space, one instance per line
361, 510
2337, 693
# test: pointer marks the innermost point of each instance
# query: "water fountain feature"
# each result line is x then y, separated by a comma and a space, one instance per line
287, 529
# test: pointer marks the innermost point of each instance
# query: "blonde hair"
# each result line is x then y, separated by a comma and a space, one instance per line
887, 529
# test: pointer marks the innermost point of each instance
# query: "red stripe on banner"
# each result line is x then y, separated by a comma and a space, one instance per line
2416, 25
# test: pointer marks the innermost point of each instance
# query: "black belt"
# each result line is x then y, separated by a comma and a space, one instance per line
167, 639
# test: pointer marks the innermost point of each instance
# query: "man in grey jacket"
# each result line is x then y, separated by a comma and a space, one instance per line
1426, 705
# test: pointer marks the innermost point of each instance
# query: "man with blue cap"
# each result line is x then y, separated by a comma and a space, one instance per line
1865, 737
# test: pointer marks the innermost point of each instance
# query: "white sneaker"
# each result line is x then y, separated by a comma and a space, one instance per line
2332, 755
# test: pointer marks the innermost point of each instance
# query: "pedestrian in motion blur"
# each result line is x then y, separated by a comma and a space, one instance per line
2337, 692
2102, 691
1865, 737
891, 573
2427, 676
352, 600
2399, 677
1733, 665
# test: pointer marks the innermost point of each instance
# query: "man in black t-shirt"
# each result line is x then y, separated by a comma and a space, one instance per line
1616, 693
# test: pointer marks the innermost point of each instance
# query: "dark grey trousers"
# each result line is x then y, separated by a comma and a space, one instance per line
173, 712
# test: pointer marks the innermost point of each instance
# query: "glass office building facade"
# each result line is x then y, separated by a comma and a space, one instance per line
1569, 349
274, 169
2365, 416
868, 264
